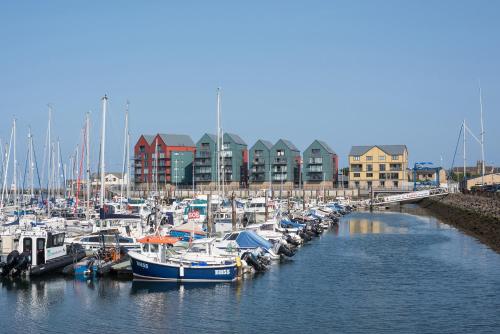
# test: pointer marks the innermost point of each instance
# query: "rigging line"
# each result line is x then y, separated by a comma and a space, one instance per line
456, 147
25, 169
37, 173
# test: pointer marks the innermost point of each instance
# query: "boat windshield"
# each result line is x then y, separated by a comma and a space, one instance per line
231, 236
200, 209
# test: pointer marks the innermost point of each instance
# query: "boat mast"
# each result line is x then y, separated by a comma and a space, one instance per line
464, 178
218, 141
14, 184
156, 166
7, 158
128, 159
125, 150
88, 162
223, 169
49, 155
103, 145
31, 164
482, 136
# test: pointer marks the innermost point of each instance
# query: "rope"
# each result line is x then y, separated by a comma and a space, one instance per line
456, 147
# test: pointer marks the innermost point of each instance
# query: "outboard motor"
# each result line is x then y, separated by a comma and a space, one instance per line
284, 250
22, 264
253, 261
306, 237
10, 263
291, 240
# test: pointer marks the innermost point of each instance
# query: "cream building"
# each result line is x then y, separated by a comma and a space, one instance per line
489, 179
378, 166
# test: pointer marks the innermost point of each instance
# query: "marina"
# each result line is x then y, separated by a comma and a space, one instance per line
372, 287
249, 167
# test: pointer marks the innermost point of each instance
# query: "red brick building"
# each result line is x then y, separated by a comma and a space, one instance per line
164, 159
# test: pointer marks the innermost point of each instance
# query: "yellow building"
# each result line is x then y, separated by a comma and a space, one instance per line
378, 166
488, 179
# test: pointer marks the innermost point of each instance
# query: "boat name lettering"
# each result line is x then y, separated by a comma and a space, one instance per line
142, 264
221, 271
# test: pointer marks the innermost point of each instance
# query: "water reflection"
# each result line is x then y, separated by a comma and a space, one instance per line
373, 226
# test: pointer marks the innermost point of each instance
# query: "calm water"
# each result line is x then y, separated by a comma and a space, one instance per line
378, 273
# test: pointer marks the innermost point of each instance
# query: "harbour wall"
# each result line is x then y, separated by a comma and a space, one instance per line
248, 193
478, 216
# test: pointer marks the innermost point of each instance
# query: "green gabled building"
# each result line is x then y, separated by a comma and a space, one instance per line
233, 160
285, 163
320, 164
260, 162
205, 167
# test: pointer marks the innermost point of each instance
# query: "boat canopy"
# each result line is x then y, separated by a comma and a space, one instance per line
250, 239
290, 224
156, 239
189, 228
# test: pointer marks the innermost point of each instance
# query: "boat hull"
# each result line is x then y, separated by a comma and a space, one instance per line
146, 269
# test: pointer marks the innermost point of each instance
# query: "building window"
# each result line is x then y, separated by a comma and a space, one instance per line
369, 158
205, 145
395, 157
381, 167
316, 151
369, 167
145, 164
356, 184
369, 184
142, 148
369, 174
382, 184
356, 158
381, 157
395, 183
356, 175
280, 153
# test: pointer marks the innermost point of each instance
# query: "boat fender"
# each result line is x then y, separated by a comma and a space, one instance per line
181, 271
238, 261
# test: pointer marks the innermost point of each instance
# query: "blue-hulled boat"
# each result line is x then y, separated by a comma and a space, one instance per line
201, 262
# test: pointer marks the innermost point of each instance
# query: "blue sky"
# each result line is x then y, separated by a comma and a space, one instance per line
347, 72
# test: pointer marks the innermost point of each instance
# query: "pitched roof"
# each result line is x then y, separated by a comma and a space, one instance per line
290, 144
326, 146
389, 149
237, 139
149, 138
266, 143
176, 140
211, 136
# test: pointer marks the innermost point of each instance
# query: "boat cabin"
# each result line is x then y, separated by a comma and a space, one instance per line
42, 245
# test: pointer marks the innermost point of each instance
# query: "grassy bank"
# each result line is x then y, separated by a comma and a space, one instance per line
474, 215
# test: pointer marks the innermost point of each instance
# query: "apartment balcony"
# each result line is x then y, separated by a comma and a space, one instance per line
280, 177
203, 154
257, 170
258, 162
202, 162
315, 177
202, 178
257, 179
315, 161
315, 172
226, 154
280, 161
356, 170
